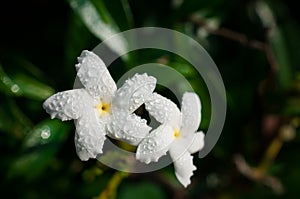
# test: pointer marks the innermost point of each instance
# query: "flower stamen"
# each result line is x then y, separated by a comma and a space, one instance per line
176, 133
103, 108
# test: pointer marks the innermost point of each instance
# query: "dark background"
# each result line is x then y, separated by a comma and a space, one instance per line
257, 55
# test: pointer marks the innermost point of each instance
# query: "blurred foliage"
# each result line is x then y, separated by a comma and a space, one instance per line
254, 44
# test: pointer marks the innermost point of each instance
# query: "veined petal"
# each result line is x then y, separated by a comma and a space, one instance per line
155, 145
197, 142
134, 92
129, 128
190, 113
163, 109
89, 136
95, 77
184, 168
68, 105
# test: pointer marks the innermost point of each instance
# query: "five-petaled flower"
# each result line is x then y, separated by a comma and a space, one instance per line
176, 134
99, 109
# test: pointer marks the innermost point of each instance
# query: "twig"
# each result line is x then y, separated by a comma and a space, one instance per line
241, 38
270, 54
111, 189
175, 191
258, 175
229, 34
286, 133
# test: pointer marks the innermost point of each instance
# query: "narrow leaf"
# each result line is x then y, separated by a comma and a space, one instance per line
99, 22
23, 85
39, 149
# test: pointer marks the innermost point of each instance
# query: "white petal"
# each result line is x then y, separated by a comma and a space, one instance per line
155, 145
163, 109
68, 105
134, 92
178, 147
197, 142
129, 128
184, 168
89, 136
94, 75
191, 113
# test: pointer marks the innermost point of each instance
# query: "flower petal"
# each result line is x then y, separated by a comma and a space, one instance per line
89, 136
67, 105
184, 168
191, 113
178, 147
134, 92
129, 128
95, 77
163, 109
183, 161
155, 145
197, 142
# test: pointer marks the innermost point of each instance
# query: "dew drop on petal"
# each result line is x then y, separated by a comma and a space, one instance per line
136, 100
121, 93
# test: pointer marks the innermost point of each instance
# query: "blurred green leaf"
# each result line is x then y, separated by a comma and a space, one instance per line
292, 106
268, 16
32, 88
281, 52
74, 43
7, 85
98, 20
145, 190
45, 133
39, 149
42, 165
12, 119
23, 85
127, 12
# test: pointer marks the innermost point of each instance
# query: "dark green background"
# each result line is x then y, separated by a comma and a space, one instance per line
39, 43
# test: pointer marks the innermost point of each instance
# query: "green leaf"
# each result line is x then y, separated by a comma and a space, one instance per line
23, 85
127, 12
7, 85
98, 20
32, 88
12, 119
281, 52
39, 149
268, 15
145, 190
45, 133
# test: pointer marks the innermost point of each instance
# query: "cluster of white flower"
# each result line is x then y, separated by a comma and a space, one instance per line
100, 109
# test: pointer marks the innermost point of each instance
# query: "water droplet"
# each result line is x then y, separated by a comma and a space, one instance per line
131, 108
120, 93
50, 106
137, 100
46, 133
64, 96
15, 88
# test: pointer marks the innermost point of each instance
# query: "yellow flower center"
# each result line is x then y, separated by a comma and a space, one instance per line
176, 133
103, 108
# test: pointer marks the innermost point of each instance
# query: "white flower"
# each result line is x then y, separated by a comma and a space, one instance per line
100, 109
176, 134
